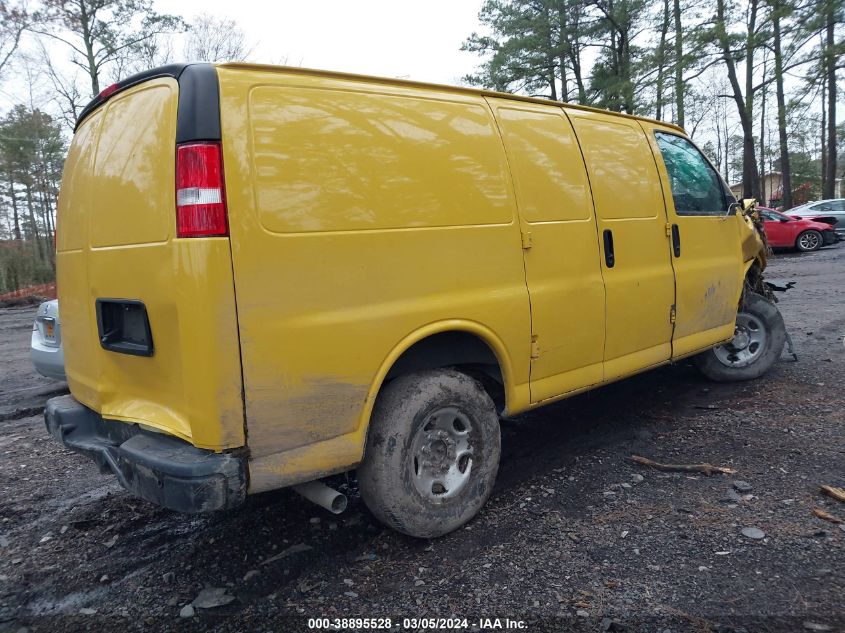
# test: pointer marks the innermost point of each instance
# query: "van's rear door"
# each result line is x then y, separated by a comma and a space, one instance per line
148, 319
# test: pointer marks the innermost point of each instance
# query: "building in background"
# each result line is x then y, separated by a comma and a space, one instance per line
803, 189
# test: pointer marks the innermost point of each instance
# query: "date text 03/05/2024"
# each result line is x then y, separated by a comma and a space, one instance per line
415, 624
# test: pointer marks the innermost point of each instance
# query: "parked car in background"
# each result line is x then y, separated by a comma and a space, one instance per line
784, 231
46, 348
824, 211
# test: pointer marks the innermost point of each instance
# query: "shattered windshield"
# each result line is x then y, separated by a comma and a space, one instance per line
695, 187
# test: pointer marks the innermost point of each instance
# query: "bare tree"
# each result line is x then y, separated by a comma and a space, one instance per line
14, 19
68, 98
101, 32
744, 103
151, 53
212, 39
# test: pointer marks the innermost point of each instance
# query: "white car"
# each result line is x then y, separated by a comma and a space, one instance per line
46, 349
824, 211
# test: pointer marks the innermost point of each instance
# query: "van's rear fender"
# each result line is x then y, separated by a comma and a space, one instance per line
117, 240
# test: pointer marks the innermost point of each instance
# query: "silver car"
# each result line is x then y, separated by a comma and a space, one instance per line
46, 349
834, 209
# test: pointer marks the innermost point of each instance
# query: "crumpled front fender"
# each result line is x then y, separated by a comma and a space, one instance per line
755, 247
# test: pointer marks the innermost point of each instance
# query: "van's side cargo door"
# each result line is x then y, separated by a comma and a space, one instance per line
706, 248
360, 213
560, 247
638, 277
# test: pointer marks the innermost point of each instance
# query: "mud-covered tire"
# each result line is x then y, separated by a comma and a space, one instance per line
413, 413
809, 240
757, 315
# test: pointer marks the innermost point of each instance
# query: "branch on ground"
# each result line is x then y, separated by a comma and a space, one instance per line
707, 469
826, 516
836, 493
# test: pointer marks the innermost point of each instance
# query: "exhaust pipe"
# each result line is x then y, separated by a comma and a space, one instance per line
325, 497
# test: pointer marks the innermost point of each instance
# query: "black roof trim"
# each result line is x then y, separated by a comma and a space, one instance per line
198, 116
199, 104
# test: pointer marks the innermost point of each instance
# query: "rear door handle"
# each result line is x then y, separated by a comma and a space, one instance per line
609, 257
676, 240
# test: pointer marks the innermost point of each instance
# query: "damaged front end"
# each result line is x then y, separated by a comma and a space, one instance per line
755, 253
755, 247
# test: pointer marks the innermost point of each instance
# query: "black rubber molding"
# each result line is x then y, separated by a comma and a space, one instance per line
198, 116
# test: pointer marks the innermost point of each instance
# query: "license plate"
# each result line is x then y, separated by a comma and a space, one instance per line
50, 329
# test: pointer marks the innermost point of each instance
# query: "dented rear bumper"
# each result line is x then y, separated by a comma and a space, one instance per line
157, 467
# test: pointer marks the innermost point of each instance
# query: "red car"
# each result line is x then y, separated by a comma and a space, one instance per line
784, 231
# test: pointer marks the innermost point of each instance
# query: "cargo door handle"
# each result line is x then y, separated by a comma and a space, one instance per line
609, 257
676, 240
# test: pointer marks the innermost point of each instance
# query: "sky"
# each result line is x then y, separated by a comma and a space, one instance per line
389, 38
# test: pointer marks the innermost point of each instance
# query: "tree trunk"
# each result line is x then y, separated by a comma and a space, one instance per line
563, 46
578, 73
748, 140
39, 247
679, 64
661, 62
718, 145
750, 175
727, 143
627, 84
16, 223
614, 102
549, 52
830, 57
762, 164
823, 129
47, 218
786, 175
574, 50
88, 39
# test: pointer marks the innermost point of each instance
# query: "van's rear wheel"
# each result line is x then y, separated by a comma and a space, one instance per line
432, 452
759, 337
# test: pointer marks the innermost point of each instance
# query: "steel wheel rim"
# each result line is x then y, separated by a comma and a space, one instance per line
442, 455
748, 343
809, 241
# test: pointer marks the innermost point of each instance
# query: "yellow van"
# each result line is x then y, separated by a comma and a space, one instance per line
270, 275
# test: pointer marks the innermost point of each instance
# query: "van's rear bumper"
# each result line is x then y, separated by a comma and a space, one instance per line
157, 467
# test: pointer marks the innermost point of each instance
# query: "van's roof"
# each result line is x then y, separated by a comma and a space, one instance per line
432, 86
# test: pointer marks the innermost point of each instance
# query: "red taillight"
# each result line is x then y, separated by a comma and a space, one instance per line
200, 191
105, 93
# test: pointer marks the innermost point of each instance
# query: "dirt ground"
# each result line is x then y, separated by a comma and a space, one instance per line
575, 536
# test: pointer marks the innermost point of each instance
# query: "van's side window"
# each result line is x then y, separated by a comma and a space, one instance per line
696, 188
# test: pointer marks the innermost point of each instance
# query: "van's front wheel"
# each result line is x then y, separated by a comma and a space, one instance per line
759, 337
432, 453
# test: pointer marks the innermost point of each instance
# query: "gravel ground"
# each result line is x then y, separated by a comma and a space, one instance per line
575, 536
22, 389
